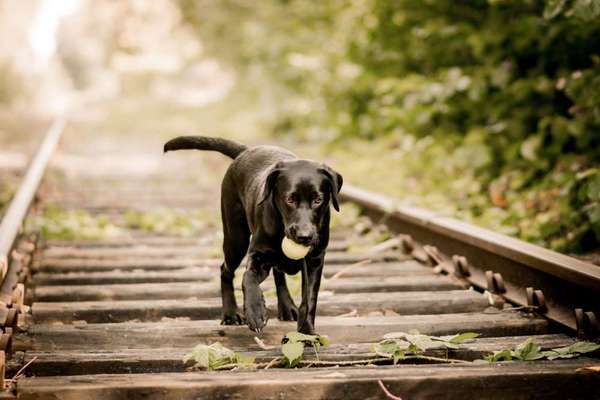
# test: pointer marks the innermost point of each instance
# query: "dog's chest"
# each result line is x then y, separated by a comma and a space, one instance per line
290, 267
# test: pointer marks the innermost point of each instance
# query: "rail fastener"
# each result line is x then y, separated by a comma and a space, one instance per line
587, 324
565, 283
495, 282
461, 266
535, 298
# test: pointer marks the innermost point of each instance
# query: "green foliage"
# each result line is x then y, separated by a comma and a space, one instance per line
165, 221
395, 346
574, 350
531, 351
508, 88
399, 345
56, 223
295, 342
211, 357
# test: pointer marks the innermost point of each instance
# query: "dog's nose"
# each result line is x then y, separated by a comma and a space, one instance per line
301, 235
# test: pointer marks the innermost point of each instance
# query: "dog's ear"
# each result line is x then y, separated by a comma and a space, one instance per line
335, 181
270, 183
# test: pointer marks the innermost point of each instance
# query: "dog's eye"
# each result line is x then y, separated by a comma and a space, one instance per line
317, 200
290, 200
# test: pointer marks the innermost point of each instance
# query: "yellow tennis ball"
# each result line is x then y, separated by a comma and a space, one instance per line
293, 250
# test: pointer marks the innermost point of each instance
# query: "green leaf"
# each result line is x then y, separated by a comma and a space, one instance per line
210, 356
422, 342
461, 337
593, 188
200, 355
553, 8
386, 349
300, 337
293, 352
553, 355
586, 10
574, 350
530, 147
395, 335
593, 213
398, 355
502, 355
414, 342
583, 347
244, 360
528, 351
324, 340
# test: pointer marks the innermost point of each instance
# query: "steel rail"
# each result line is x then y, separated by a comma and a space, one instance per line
19, 206
564, 289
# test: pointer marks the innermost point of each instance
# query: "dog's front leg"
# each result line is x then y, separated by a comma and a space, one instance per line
311, 280
254, 302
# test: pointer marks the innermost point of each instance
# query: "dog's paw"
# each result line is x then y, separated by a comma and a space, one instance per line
287, 312
232, 319
306, 328
256, 318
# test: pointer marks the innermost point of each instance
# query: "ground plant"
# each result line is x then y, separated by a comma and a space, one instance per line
395, 347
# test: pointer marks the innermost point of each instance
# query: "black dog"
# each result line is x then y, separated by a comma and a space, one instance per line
267, 193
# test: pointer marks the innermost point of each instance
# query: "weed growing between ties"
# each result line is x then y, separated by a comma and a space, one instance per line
58, 223
531, 351
395, 347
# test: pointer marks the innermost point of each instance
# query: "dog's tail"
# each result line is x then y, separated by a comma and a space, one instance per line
224, 146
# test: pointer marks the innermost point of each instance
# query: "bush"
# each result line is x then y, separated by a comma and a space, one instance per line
520, 78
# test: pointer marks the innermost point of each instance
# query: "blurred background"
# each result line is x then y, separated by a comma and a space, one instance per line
486, 110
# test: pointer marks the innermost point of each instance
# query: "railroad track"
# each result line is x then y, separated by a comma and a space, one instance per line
113, 318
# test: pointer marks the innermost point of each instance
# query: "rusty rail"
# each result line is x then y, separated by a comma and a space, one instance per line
562, 288
13, 263
17, 210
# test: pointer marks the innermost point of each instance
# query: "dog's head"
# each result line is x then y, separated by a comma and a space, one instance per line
302, 191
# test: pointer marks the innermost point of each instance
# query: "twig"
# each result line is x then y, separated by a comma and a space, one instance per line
519, 308
438, 359
352, 313
348, 268
325, 363
387, 392
273, 362
264, 365
349, 362
262, 344
226, 366
386, 245
20, 371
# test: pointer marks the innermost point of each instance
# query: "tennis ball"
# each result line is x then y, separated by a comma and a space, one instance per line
293, 250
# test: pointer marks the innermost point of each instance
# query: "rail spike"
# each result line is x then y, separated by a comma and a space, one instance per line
495, 282
407, 244
588, 326
535, 298
461, 266
433, 255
